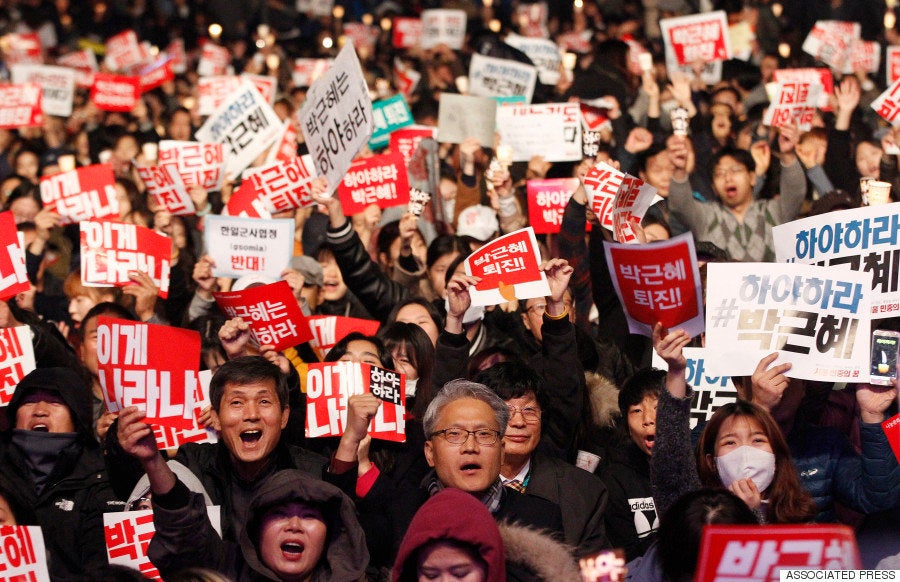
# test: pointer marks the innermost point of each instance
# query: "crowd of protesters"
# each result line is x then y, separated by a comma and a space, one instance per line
537, 433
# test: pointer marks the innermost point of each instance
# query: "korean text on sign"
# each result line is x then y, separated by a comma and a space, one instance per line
16, 359
23, 557
272, 312
198, 164
13, 273
710, 392
380, 180
20, 106
698, 37
242, 246
80, 194
281, 185
509, 269
111, 250
547, 201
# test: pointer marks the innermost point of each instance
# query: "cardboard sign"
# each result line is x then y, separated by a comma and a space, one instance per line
377, 180
757, 553
156, 73
306, 71
710, 392
493, 77
543, 53
23, 556
245, 124
275, 187
169, 192
109, 250
81, 194
860, 239
115, 92
22, 49
329, 386
128, 535
405, 141
407, 32
272, 312
817, 318
697, 37
13, 274
821, 76
285, 147
214, 60
85, 64
888, 104
389, 115
336, 119
442, 26
198, 164
57, 86
16, 359
20, 106
891, 428
794, 103
242, 246
328, 330
602, 183
892, 65
169, 437
658, 282
124, 53
139, 367
831, 41
463, 116
508, 267
551, 130
547, 200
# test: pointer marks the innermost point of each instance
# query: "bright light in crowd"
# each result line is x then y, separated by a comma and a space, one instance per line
777, 9
494, 25
215, 31
338, 12
367, 19
890, 19
784, 49
327, 42
386, 23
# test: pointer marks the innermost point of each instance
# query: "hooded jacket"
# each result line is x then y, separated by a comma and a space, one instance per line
185, 537
77, 493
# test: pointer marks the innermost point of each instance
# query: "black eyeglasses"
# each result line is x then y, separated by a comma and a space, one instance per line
458, 436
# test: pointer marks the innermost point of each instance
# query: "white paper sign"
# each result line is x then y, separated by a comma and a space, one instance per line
242, 246
794, 103
831, 41
543, 53
245, 125
336, 118
710, 392
888, 104
492, 77
57, 84
551, 130
817, 318
442, 26
864, 240
16, 359
23, 555
464, 116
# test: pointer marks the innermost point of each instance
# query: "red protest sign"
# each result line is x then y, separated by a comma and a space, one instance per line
128, 535
169, 437
80, 194
110, 250
547, 201
176, 51
285, 147
13, 275
593, 118
892, 66
405, 141
328, 330
272, 312
139, 367
156, 73
658, 282
329, 386
115, 92
23, 557
630, 205
697, 37
84, 62
508, 267
280, 186
756, 553
198, 163
124, 52
214, 60
22, 49
168, 190
888, 104
16, 359
378, 180
407, 32
891, 428
602, 183
213, 91
20, 106
821, 76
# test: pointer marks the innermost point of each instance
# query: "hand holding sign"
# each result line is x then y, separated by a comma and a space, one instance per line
144, 292
670, 347
874, 400
768, 383
135, 436
459, 300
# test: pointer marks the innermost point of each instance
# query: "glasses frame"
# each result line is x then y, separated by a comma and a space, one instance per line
495, 434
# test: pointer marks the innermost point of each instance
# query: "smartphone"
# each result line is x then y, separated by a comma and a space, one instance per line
884, 357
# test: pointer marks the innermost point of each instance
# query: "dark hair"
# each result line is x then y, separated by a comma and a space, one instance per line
788, 501
387, 234
445, 244
247, 370
137, 200
681, 528
419, 351
106, 308
742, 157
208, 327
428, 305
340, 348
513, 379
478, 360
25, 190
653, 151
644, 382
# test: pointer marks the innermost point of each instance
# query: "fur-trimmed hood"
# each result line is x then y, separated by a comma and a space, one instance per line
604, 396
534, 556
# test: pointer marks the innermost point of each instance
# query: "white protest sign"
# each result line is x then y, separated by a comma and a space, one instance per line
831, 41
629, 207
861, 239
57, 85
198, 164
336, 118
110, 250
464, 116
602, 183
551, 130
493, 77
242, 246
315, 7
442, 26
865, 55
697, 38
888, 104
794, 103
23, 555
543, 53
710, 392
509, 269
245, 124
164, 183
892, 65
817, 318
16, 359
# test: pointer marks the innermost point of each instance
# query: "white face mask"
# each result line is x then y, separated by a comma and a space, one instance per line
747, 462
411, 387
472, 314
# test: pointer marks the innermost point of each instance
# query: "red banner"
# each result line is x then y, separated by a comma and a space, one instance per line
115, 92
285, 147
13, 275
329, 386
23, 557
157, 73
407, 32
22, 49
80, 194
139, 367
405, 141
20, 106
757, 553
547, 201
82, 61
891, 428
124, 52
110, 249
16, 359
214, 60
277, 187
272, 312
328, 330
508, 268
698, 37
377, 180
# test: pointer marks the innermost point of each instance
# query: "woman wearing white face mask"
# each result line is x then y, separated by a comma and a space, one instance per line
741, 448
